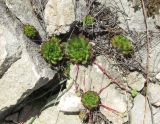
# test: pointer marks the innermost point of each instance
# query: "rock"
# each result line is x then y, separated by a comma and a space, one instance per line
117, 100
13, 118
133, 21
70, 102
157, 18
128, 17
24, 70
158, 76
154, 94
138, 111
22, 9
156, 117
154, 56
58, 16
92, 78
136, 81
10, 48
53, 116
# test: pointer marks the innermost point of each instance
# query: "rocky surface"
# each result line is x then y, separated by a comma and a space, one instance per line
136, 81
52, 116
23, 10
22, 68
154, 94
92, 78
139, 111
59, 16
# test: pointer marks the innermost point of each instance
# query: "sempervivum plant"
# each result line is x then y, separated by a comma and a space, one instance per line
88, 20
30, 31
122, 43
51, 50
78, 50
90, 100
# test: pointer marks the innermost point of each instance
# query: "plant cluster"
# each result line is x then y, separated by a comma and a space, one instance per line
78, 50
88, 20
90, 100
122, 43
30, 31
51, 50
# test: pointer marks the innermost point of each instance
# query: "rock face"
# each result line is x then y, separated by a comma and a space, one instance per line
128, 17
136, 81
23, 10
117, 100
154, 94
92, 78
52, 116
138, 111
156, 113
58, 16
70, 102
21, 67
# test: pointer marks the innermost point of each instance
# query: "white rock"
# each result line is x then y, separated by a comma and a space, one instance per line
70, 102
22, 68
128, 17
58, 15
156, 117
22, 9
136, 81
92, 78
154, 56
138, 111
154, 94
158, 76
53, 116
117, 100
157, 18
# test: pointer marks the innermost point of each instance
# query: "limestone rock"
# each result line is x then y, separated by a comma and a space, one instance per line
24, 70
154, 94
154, 61
158, 76
138, 111
22, 9
92, 78
116, 100
70, 102
52, 116
128, 17
58, 16
157, 18
136, 81
156, 113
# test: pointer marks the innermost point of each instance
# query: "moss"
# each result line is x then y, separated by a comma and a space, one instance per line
67, 70
78, 50
30, 31
90, 100
134, 93
52, 51
122, 43
88, 20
